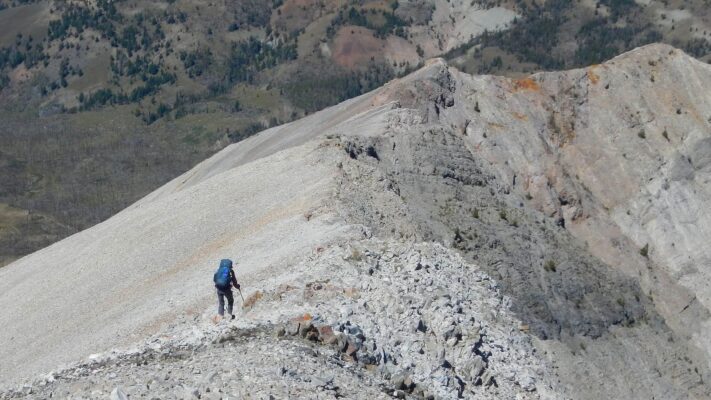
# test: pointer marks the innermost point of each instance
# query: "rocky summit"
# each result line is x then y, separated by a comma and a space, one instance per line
444, 236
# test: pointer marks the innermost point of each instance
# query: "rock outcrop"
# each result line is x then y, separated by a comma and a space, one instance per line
444, 236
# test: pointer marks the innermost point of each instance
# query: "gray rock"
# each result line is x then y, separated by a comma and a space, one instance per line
191, 392
421, 326
398, 380
487, 378
280, 331
473, 369
292, 328
118, 394
305, 328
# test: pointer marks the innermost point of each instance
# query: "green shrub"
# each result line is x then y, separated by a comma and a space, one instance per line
549, 266
644, 251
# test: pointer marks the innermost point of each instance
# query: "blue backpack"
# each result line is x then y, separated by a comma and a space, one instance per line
222, 276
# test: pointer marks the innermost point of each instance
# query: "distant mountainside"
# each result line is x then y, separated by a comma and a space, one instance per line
446, 235
102, 101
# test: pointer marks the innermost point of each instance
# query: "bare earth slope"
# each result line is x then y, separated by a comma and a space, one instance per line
157, 270
579, 195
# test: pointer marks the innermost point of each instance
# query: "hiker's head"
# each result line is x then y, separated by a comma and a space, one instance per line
226, 263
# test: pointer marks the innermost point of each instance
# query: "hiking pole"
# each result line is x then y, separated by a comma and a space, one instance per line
240, 295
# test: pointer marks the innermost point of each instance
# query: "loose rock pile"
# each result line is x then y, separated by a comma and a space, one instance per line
419, 316
368, 320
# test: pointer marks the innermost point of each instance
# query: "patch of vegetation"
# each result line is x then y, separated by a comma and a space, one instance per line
546, 32
102, 97
533, 39
475, 213
383, 22
251, 56
698, 47
319, 86
600, 40
355, 255
246, 132
197, 62
81, 170
160, 111
99, 98
550, 266
458, 242
619, 8
644, 251
77, 17
25, 50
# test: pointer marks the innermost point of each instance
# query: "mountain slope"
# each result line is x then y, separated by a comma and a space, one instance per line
103, 101
536, 182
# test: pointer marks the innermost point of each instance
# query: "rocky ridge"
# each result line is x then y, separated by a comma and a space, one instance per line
366, 319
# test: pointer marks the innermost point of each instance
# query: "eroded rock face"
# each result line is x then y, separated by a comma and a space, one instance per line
567, 188
452, 197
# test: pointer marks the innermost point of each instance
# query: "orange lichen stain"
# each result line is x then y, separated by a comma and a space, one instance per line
526, 84
495, 125
519, 116
594, 78
302, 318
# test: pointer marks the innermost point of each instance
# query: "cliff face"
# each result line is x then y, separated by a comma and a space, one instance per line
619, 154
577, 190
581, 193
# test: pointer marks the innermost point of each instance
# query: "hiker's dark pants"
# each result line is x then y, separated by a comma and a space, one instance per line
221, 294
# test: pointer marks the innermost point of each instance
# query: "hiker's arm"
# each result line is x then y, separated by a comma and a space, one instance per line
234, 279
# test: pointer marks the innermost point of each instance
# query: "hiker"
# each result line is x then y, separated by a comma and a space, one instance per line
224, 280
